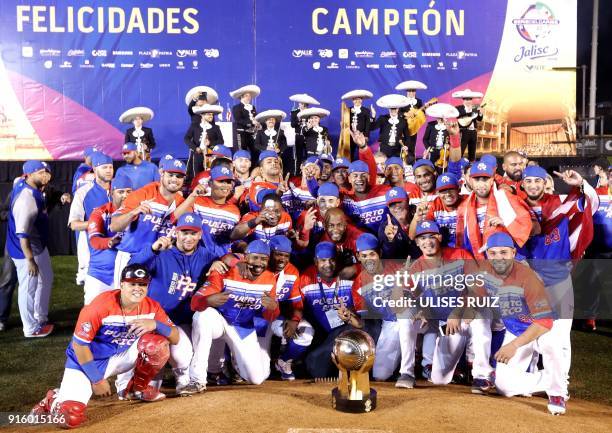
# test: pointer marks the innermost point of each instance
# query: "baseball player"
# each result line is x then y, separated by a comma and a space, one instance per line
120, 330
141, 172
26, 244
331, 305
242, 167
310, 222
86, 199
225, 308
457, 330
148, 212
84, 173
271, 220
393, 232
423, 190
102, 241
528, 318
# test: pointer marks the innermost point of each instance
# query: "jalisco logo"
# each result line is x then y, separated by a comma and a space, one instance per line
536, 26
301, 53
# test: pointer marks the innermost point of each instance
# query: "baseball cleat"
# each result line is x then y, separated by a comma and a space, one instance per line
44, 406
148, 395
426, 373
217, 379
556, 405
193, 387
284, 367
590, 325
405, 381
41, 331
481, 386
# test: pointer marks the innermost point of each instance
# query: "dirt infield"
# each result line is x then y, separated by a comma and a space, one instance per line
303, 407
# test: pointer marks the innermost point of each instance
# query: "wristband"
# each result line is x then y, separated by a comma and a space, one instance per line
92, 372
252, 223
162, 329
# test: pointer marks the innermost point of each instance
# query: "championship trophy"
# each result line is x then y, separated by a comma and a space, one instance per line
353, 354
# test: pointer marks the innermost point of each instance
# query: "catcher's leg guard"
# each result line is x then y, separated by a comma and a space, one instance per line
153, 353
70, 413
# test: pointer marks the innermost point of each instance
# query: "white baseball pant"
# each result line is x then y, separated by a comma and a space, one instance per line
121, 261
388, 351
514, 379
93, 287
209, 325
76, 386
561, 297
449, 349
408, 332
34, 291
82, 256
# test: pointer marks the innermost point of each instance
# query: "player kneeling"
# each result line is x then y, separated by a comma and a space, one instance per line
119, 331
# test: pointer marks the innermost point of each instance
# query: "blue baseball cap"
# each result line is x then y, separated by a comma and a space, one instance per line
89, 151
395, 195
424, 227
367, 241
446, 181
358, 167
262, 193
129, 147
99, 158
489, 159
534, 171
33, 166
121, 182
394, 160
482, 169
499, 239
325, 250
326, 157
341, 163
464, 162
258, 247
221, 173
189, 221
167, 156
311, 160
221, 150
241, 154
280, 243
267, 154
173, 166
329, 189
423, 163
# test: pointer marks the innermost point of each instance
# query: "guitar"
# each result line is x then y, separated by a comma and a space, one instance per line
416, 117
466, 120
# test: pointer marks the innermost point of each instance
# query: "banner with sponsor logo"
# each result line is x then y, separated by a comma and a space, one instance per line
68, 70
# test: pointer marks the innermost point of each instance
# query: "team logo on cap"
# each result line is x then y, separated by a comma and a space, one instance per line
445, 179
140, 273
392, 193
178, 163
125, 146
426, 225
189, 219
168, 157
482, 166
225, 170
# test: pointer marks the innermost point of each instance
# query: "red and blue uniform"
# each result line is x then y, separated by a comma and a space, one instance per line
220, 219
602, 222
446, 219
101, 256
147, 228
266, 233
104, 327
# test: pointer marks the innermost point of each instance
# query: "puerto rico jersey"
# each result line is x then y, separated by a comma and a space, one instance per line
244, 302
141, 174
322, 298
145, 230
220, 219
27, 219
301, 198
103, 325
175, 278
416, 196
446, 219
101, 257
522, 297
266, 233
367, 212
602, 222
348, 241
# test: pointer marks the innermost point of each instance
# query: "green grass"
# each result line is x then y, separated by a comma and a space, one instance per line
31, 366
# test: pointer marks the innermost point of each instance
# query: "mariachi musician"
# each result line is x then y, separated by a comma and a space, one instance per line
202, 137
316, 136
436, 137
303, 101
408, 112
270, 136
139, 134
197, 97
243, 117
393, 127
360, 116
468, 116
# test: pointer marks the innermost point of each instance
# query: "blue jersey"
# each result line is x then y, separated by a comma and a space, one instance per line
602, 223
86, 199
101, 256
103, 326
82, 176
322, 298
175, 278
141, 174
27, 219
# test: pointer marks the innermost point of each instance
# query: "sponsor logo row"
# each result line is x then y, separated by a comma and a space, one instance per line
344, 53
88, 64
440, 66
211, 53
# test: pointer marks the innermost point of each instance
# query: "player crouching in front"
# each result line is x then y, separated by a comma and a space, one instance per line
119, 331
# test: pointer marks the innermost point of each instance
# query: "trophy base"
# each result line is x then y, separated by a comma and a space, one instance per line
367, 404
